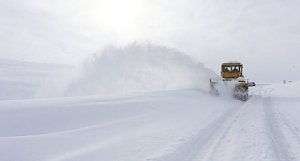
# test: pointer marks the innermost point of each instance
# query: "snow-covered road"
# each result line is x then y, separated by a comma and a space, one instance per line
260, 129
180, 125
255, 131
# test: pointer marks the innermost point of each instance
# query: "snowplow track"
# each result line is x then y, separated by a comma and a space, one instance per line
284, 134
225, 136
206, 138
255, 130
211, 147
277, 139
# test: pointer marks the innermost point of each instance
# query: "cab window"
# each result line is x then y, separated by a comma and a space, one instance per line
235, 69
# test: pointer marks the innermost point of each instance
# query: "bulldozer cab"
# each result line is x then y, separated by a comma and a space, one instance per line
231, 70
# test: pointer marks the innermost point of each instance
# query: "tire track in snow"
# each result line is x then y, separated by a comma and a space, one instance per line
285, 136
242, 139
205, 137
254, 131
291, 126
293, 133
209, 151
269, 136
276, 137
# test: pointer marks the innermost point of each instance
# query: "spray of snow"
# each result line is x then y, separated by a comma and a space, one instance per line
138, 68
225, 89
57, 82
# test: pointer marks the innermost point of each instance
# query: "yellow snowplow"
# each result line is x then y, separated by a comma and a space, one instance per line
233, 79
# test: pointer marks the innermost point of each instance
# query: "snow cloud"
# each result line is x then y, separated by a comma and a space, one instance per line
139, 67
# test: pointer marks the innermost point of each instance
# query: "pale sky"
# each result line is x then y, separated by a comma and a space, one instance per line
262, 34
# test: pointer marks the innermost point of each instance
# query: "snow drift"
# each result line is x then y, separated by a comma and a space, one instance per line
138, 68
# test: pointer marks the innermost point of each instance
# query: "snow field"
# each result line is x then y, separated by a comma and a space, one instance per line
136, 128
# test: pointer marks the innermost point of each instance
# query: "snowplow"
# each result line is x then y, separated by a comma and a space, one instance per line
232, 79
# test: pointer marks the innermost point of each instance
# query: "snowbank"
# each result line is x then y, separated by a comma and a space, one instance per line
139, 68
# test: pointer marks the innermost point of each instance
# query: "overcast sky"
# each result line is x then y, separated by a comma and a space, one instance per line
263, 34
